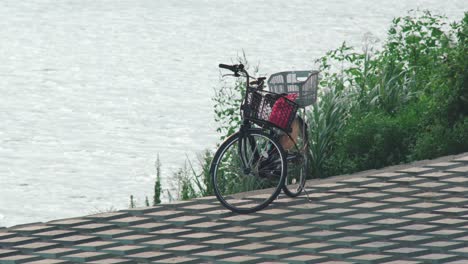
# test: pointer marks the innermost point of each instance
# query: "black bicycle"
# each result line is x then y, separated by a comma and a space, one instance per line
269, 153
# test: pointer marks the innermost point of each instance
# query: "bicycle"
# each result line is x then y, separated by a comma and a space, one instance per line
251, 167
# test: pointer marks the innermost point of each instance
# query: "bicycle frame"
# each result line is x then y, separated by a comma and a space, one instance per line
246, 124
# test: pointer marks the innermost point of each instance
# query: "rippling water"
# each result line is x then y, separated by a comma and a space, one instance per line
92, 90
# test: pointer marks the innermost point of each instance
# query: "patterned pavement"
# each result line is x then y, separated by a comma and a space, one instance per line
415, 214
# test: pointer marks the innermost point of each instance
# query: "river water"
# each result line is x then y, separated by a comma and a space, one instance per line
92, 90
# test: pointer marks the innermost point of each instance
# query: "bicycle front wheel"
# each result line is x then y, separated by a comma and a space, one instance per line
248, 171
298, 162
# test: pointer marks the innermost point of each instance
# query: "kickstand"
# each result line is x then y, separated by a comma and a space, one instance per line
307, 194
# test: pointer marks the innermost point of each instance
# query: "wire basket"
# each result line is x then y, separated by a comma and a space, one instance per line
264, 108
303, 83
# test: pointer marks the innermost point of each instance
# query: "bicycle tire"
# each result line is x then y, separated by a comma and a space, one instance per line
298, 168
248, 171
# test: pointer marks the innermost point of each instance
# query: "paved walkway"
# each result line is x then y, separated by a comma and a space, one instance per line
415, 214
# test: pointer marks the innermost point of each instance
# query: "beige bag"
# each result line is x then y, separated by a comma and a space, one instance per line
286, 141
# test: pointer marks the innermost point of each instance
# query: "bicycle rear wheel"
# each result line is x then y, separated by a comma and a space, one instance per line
248, 171
298, 163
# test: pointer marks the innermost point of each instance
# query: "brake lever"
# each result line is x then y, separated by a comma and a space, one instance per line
231, 74
228, 74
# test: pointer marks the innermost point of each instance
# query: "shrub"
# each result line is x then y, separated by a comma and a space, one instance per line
372, 141
409, 101
460, 136
457, 73
326, 118
440, 139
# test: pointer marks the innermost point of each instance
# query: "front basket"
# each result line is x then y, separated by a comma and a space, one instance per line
264, 108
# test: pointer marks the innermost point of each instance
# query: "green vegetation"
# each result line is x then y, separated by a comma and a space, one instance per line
227, 101
404, 101
157, 184
157, 188
195, 184
132, 202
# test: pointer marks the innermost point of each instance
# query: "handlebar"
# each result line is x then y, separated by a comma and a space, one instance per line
235, 68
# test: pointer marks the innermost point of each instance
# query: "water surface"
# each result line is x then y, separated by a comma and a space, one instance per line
92, 90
